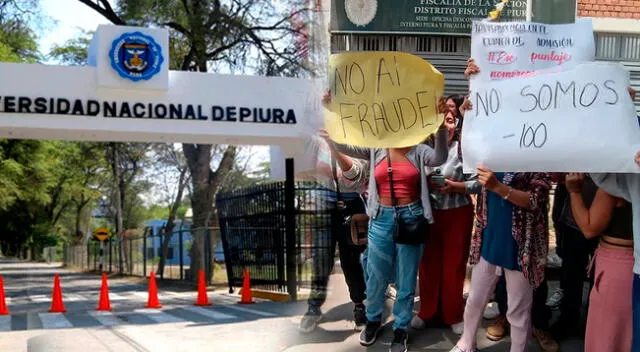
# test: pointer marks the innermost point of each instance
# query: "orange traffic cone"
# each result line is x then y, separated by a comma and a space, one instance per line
56, 303
246, 298
104, 303
202, 299
3, 304
153, 293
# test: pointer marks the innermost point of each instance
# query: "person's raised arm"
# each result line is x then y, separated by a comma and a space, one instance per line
345, 162
437, 155
537, 195
594, 220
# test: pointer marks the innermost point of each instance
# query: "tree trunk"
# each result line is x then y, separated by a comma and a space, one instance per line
168, 231
205, 184
198, 159
78, 232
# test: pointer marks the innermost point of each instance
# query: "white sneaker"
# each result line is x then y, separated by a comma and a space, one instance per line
458, 328
417, 323
391, 292
554, 261
556, 298
491, 311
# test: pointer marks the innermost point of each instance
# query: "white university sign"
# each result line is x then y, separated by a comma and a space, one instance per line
127, 93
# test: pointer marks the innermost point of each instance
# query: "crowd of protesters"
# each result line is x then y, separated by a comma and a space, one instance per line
427, 221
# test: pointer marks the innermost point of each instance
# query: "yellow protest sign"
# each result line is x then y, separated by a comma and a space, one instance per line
382, 99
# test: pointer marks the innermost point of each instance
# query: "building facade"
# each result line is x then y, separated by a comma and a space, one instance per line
439, 30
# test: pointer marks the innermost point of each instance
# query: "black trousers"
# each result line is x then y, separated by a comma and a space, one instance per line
540, 313
324, 249
576, 250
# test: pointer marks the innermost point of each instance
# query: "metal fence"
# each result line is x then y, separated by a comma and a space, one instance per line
279, 231
141, 253
253, 223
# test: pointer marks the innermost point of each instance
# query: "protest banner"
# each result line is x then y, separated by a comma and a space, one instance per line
523, 49
580, 120
382, 99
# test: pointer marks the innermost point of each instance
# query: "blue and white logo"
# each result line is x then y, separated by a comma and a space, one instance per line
136, 56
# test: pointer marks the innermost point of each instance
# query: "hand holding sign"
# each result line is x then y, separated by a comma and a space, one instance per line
472, 68
487, 178
382, 99
574, 181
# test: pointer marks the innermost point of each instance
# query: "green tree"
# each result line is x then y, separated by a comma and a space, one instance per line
73, 52
214, 35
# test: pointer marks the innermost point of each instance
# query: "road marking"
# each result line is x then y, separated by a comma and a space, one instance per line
116, 297
73, 297
252, 311
105, 318
5, 323
159, 316
209, 313
141, 294
39, 298
54, 321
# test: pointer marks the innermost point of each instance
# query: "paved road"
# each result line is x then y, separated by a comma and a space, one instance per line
179, 325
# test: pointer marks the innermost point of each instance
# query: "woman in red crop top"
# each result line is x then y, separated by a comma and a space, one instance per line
387, 259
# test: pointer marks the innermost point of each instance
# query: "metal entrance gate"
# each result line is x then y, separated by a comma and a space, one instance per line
253, 228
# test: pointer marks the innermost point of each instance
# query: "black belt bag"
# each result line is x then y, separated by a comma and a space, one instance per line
403, 232
352, 215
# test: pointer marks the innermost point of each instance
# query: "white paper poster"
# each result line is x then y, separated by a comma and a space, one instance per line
517, 49
580, 120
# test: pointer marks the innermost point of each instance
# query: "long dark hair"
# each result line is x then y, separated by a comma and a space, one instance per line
458, 100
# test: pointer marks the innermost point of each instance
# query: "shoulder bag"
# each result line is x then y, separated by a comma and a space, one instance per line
353, 215
406, 233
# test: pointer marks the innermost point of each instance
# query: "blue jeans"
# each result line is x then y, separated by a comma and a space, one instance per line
384, 257
363, 259
636, 313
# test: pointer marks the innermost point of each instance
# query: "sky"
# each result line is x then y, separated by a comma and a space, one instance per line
69, 17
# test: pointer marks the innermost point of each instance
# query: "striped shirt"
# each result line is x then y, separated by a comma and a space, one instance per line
350, 187
354, 184
452, 169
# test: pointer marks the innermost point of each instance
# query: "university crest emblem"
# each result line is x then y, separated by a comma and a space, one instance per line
135, 56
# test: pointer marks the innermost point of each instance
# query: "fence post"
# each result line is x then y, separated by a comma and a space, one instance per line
181, 249
207, 255
110, 246
290, 228
120, 254
130, 256
144, 252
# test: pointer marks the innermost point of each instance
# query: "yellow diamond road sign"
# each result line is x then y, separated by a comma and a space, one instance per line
102, 233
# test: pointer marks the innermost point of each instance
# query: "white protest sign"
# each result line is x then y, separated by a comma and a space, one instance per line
580, 120
518, 49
